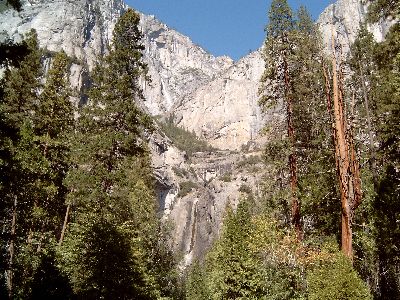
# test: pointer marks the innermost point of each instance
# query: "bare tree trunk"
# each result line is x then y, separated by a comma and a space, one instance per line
10, 271
64, 225
342, 163
346, 161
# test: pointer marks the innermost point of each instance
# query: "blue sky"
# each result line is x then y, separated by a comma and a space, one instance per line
222, 27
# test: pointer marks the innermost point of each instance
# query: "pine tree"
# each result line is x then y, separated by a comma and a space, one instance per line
277, 86
54, 122
382, 9
21, 87
362, 110
363, 68
196, 283
37, 119
316, 164
386, 93
298, 54
233, 270
112, 200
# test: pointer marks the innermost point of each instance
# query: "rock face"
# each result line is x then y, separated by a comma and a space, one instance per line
81, 28
212, 96
176, 65
193, 194
224, 111
344, 18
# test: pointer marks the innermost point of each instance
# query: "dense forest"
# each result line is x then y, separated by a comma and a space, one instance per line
79, 214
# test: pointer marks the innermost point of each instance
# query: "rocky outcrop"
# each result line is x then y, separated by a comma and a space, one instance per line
225, 111
343, 18
177, 66
81, 28
215, 180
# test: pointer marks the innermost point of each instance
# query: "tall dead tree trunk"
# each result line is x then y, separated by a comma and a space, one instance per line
346, 160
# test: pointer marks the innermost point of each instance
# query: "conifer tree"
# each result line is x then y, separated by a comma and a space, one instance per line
21, 88
294, 76
234, 271
379, 9
316, 164
278, 85
53, 123
363, 69
37, 119
362, 110
12, 53
112, 201
386, 94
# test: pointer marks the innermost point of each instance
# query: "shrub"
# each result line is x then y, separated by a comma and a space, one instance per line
227, 177
186, 187
337, 280
196, 283
250, 161
244, 188
180, 172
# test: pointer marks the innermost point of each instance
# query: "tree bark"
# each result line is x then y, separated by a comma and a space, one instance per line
346, 160
342, 161
64, 225
10, 271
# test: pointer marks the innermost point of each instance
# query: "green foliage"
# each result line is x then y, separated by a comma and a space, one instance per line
255, 259
114, 225
277, 48
234, 272
295, 50
22, 84
317, 189
249, 161
382, 9
183, 139
387, 232
336, 280
107, 250
180, 172
186, 187
244, 188
196, 283
35, 162
386, 94
227, 177
281, 21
